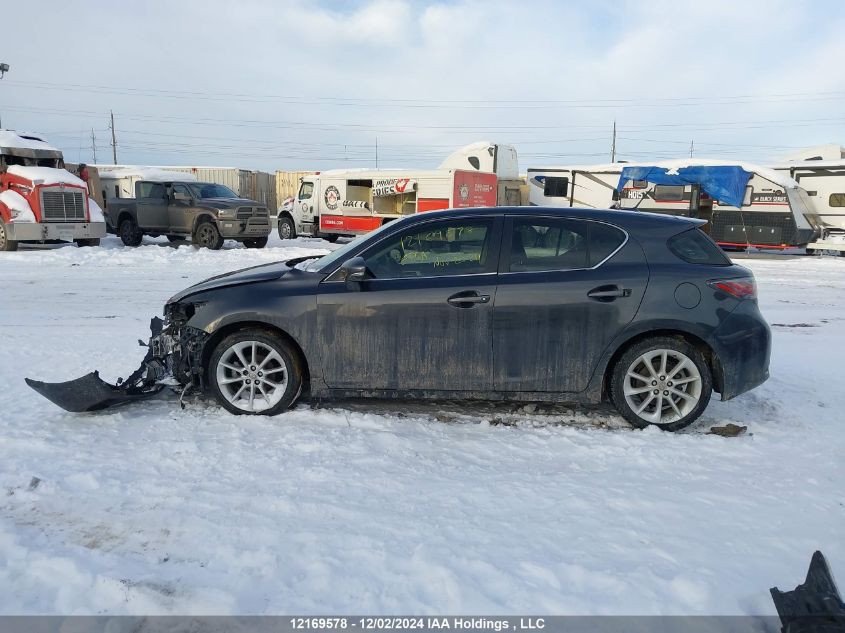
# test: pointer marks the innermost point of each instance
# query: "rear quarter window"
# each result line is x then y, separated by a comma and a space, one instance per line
696, 247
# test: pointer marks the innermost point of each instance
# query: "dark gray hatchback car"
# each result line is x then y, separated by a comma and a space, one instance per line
522, 303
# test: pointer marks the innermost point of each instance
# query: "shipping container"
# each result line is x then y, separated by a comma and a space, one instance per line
287, 184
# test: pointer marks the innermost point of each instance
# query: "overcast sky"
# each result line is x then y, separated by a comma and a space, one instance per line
313, 85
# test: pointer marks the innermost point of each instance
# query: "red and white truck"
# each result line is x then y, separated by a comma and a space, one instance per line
40, 201
341, 202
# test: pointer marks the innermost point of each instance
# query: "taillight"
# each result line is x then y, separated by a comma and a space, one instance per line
744, 288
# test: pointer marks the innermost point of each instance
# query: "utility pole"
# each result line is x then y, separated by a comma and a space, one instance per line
691, 148
613, 144
113, 139
377, 152
4, 68
94, 145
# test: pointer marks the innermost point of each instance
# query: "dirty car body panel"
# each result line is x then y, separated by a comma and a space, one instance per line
481, 327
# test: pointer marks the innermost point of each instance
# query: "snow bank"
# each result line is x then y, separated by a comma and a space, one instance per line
146, 173
386, 507
17, 204
46, 175
11, 139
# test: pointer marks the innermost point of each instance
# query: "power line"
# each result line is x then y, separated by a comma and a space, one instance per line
442, 103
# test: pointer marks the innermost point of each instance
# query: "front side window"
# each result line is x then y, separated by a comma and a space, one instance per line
459, 247
306, 190
181, 189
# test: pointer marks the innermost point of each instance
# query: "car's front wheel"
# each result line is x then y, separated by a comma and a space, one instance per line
255, 372
662, 381
286, 228
206, 235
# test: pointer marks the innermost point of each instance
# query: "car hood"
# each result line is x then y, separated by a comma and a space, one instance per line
253, 274
226, 203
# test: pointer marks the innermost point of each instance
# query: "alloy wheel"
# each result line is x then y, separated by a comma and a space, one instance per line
252, 376
662, 386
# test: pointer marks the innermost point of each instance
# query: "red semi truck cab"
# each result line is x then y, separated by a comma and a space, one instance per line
40, 201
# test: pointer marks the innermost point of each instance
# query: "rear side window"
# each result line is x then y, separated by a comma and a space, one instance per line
541, 244
695, 247
604, 239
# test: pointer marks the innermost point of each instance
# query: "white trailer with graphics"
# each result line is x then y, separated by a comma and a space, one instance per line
773, 212
346, 202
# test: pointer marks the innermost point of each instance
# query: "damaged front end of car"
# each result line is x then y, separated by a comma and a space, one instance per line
174, 359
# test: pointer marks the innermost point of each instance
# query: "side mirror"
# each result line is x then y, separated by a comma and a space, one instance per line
181, 197
353, 272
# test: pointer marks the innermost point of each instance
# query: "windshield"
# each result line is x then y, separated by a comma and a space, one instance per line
337, 257
211, 190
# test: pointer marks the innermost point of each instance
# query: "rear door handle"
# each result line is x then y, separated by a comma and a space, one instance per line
467, 298
608, 293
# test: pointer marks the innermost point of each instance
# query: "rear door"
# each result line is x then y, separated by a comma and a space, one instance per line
152, 205
177, 210
424, 320
566, 288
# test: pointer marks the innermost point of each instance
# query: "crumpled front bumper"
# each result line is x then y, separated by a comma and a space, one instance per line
174, 353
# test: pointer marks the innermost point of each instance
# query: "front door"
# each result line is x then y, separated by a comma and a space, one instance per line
567, 287
423, 321
152, 206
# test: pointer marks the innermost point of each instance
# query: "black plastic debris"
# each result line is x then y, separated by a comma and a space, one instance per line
813, 607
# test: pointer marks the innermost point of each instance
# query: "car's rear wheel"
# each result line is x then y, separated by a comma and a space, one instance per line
255, 372
208, 236
129, 232
662, 381
287, 229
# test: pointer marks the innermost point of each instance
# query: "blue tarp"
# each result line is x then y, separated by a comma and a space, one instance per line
723, 183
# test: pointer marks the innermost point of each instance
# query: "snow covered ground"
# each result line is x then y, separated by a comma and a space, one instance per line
373, 507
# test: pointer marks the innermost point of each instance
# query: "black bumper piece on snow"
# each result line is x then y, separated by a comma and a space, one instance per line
89, 393
92, 393
815, 606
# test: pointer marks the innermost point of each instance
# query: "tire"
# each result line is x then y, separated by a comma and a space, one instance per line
6, 245
259, 349
286, 228
206, 235
256, 242
93, 241
330, 237
130, 233
175, 238
664, 364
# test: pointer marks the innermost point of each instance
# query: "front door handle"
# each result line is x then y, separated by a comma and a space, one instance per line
608, 293
467, 299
